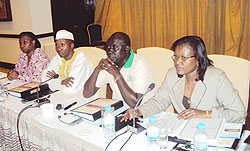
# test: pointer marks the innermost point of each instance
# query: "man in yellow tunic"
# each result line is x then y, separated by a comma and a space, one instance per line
73, 67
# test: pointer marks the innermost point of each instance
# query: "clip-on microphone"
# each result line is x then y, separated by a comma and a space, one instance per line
137, 128
45, 100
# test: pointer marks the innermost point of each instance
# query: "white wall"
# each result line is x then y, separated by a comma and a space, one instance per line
41, 16
27, 15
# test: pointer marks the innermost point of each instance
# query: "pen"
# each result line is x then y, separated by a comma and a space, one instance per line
67, 107
6, 84
3, 78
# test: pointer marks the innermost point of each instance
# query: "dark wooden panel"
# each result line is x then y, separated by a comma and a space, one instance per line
44, 35
7, 65
74, 16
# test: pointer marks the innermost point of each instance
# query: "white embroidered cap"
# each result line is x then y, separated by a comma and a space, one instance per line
64, 34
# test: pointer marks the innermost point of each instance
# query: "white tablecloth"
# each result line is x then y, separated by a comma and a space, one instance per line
36, 135
39, 133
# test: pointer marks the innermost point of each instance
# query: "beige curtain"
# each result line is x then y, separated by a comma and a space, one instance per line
223, 24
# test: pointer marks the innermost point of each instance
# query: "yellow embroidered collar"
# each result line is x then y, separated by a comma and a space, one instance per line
66, 64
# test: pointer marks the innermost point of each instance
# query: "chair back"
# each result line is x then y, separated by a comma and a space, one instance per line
50, 50
94, 55
160, 61
238, 72
95, 35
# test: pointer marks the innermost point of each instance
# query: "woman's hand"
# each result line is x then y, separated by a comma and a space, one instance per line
192, 113
129, 114
12, 75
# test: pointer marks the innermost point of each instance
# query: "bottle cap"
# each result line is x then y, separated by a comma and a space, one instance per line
201, 126
107, 108
152, 119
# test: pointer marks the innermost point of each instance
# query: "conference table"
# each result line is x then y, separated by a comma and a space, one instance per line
41, 133
48, 133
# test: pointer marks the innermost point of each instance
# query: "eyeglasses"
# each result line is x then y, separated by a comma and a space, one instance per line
183, 58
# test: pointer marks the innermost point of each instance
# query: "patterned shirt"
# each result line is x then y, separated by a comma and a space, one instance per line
32, 72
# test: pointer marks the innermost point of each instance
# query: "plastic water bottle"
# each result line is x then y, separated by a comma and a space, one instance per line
200, 138
108, 123
1, 92
153, 134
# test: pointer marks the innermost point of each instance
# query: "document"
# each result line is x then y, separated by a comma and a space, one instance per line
186, 128
3, 79
231, 130
173, 123
2, 75
213, 127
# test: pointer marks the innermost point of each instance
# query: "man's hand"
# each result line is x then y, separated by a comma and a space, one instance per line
12, 75
108, 65
68, 82
129, 114
50, 74
192, 113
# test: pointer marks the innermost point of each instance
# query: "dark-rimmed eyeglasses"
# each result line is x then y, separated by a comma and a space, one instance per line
183, 58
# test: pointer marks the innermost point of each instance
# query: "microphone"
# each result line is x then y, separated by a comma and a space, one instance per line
46, 100
54, 77
138, 129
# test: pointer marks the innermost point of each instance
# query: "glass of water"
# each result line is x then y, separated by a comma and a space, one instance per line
163, 140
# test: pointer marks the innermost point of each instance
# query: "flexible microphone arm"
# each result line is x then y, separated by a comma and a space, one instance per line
54, 77
150, 88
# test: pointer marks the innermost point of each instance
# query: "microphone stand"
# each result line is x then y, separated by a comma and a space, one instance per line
46, 100
137, 128
33, 106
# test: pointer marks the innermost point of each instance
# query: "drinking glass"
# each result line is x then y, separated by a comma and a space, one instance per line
163, 140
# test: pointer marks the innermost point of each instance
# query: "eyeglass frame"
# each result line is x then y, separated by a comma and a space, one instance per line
183, 58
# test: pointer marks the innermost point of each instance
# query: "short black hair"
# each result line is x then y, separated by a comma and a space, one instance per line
198, 46
124, 36
33, 37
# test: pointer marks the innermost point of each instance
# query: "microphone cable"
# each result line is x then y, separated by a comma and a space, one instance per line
202, 95
126, 141
75, 122
114, 139
18, 119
